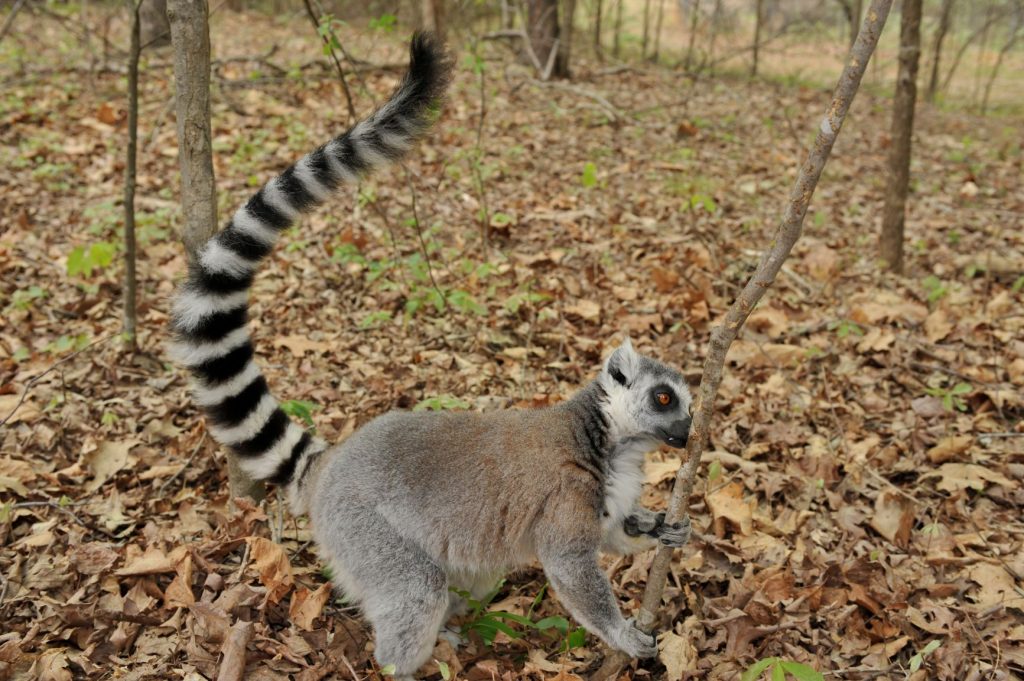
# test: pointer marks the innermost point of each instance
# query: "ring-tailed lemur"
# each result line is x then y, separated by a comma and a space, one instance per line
413, 503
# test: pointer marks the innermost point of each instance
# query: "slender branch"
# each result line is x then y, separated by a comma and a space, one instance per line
337, 63
130, 303
9, 21
38, 377
768, 268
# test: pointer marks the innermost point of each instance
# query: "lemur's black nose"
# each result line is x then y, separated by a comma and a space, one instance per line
677, 433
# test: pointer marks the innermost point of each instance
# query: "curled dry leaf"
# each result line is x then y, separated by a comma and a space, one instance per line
893, 518
307, 605
678, 654
728, 508
271, 562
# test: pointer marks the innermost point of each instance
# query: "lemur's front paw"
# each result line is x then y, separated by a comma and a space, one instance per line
642, 523
636, 643
676, 534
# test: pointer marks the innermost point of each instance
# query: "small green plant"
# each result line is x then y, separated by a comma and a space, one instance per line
301, 410
385, 23
1018, 285
779, 669
952, 398
374, 319
934, 288
589, 177
22, 299
953, 237
67, 344
845, 327
917, 660
83, 261
487, 623
440, 403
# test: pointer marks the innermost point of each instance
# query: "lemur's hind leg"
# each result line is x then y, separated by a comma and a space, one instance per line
404, 593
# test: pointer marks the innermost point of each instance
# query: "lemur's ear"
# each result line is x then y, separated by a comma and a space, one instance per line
621, 365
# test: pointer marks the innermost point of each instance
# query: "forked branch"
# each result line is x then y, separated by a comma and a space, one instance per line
767, 269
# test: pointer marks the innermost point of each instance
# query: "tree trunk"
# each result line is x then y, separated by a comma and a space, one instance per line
647, 22
891, 240
998, 65
758, 14
563, 59
857, 7
716, 17
542, 29
433, 17
598, 9
940, 35
722, 336
130, 310
989, 20
695, 9
190, 36
618, 29
657, 30
982, 47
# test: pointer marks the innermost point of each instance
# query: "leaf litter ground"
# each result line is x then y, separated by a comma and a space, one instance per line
863, 496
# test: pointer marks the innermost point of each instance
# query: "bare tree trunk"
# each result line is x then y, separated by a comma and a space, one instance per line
618, 29
723, 335
190, 36
130, 310
940, 35
433, 16
998, 65
693, 33
657, 30
565, 28
858, 11
991, 18
716, 17
890, 244
647, 22
758, 17
598, 9
976, 89
543, 31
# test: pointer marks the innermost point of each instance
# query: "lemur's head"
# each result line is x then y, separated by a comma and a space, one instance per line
646, 399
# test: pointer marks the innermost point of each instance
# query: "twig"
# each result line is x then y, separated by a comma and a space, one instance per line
767, 270
195, 450
607, 107
9, 21
35, 379
419, 235
334, 57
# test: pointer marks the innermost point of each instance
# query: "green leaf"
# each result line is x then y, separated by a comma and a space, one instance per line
301, 410
961, 389
511, 617
714, 470
589, 178
387, 670
442, 667
755, 670
801, 672
76, 261
932, 647
915, 662
556, 622
777, 673
576, 638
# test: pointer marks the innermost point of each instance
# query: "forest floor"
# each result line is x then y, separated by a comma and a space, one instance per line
862, 504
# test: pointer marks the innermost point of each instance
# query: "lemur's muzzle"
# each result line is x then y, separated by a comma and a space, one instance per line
677, 433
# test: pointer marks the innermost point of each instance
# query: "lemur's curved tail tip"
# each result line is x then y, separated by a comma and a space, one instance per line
210, 311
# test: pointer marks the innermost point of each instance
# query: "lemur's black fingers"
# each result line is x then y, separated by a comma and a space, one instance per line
631, 526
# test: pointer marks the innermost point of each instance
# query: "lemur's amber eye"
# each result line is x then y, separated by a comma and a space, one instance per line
664, 399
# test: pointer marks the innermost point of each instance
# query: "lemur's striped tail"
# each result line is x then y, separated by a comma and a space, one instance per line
210, 310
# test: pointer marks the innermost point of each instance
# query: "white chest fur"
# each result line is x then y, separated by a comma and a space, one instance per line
625, 480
